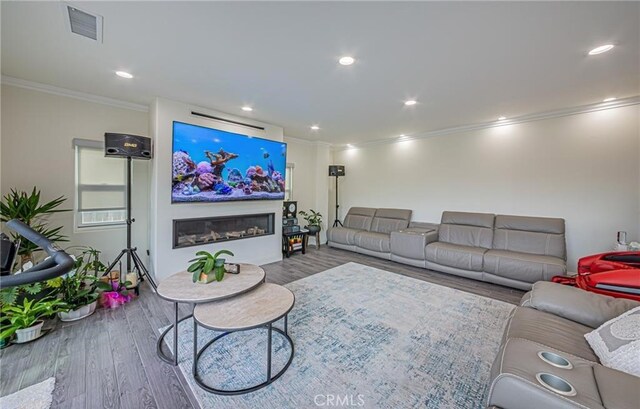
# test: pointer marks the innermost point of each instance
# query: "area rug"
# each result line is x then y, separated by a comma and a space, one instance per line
38, 396
363, 337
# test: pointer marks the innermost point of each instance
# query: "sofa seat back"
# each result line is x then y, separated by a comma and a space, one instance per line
359, 218
467, 229
388, 220
533, 235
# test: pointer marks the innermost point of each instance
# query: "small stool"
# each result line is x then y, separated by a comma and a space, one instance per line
256, 309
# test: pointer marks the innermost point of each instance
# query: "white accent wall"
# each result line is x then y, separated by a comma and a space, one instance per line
584, 168
165, 260
37, 130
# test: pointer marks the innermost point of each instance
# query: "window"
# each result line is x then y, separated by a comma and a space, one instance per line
288, 182
101, 190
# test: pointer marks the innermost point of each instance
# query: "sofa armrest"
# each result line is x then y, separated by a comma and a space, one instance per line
577, 305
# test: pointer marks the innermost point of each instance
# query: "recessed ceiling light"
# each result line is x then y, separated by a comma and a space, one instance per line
124, 74
410, 102
609, 99
601, 49
247, 108
346, 60
502, 118
349, 145
314, 127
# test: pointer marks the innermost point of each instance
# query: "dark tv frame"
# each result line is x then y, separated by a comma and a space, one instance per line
246, 136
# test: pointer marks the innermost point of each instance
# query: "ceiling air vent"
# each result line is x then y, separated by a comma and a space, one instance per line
85, 24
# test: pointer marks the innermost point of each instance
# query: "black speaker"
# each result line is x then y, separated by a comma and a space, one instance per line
336, 170
124, 145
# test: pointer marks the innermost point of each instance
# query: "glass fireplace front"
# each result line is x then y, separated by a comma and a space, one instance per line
196, 232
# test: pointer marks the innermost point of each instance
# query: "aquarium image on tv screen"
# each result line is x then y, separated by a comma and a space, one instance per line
210, 165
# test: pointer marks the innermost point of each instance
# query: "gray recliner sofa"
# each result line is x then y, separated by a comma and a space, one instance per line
515, 251
368, 230
545, 335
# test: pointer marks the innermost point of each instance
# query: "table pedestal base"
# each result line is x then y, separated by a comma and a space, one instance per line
269, 378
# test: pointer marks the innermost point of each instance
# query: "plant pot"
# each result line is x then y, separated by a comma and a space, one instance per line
206, 279
78, 313
29, 334
313, 229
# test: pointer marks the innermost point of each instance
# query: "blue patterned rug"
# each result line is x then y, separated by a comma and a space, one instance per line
364, 337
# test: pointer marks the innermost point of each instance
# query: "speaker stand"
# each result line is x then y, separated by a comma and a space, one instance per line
337, 221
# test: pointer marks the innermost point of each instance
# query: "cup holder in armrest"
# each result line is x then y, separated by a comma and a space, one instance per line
554, 359
556, 384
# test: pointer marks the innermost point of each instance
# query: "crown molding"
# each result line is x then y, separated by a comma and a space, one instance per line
307, 142
558, 113
50, 89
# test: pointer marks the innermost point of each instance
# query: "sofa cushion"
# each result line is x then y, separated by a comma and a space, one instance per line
534, 235
342, 235
455, 255
388, 220
617, 342
550, 330
373, 241
523, 266
359, 218
617, 389
467, 229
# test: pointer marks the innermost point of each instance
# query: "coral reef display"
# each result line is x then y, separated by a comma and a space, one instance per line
223, 175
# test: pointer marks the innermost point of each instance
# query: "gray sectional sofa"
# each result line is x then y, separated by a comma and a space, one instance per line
515, 251
368, 231
545, 335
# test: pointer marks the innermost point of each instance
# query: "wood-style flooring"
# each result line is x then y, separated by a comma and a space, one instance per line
109, 360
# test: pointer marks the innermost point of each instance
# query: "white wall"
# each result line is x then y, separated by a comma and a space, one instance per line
584, 168
37, 130
310, 180
165, 260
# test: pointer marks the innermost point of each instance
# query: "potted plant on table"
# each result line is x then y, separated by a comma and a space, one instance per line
25, 320
79, 288
207, 267
313, 219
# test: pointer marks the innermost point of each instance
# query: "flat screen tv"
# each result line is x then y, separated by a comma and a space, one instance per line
210, 165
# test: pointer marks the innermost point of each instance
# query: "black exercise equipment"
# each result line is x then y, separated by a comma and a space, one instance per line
57, 264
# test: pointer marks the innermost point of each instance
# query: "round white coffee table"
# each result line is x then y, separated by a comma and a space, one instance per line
180, 288
255, 309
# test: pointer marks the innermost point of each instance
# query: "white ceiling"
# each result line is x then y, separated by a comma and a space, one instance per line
464, 62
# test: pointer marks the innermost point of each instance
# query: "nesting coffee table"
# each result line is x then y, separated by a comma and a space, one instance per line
240, 302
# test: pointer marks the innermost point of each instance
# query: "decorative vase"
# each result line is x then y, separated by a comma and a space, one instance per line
313, 229
29, 334
78, 313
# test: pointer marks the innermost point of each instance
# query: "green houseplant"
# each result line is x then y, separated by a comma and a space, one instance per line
25, 320
79, 289
207, 267
313, 219
28, 208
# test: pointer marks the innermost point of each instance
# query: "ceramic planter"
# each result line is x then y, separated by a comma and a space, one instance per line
79, 313
313, 229
206, 279
29, 334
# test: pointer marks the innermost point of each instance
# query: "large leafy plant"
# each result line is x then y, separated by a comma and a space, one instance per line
27, 208
313, 218
80, 287
27, 314
205, 262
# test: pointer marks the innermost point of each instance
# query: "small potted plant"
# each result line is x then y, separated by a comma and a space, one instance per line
313, 219
79, 288
207, 267
25, 320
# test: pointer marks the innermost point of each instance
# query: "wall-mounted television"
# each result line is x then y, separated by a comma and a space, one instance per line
211, 165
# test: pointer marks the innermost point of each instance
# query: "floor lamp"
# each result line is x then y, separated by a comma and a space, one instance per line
336, 171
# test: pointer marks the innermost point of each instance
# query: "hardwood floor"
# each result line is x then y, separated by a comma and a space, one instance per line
109, 359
